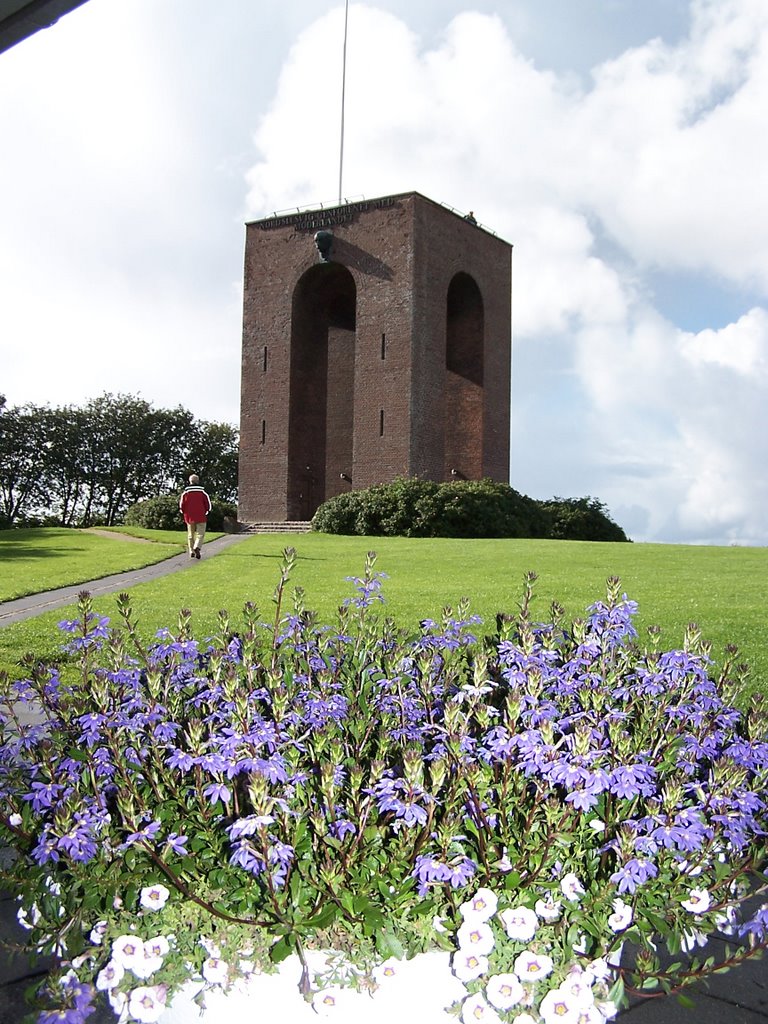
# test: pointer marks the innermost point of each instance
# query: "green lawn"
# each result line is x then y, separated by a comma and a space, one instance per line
44, 559
721, 589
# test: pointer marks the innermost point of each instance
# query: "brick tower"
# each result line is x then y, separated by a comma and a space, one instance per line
376, 344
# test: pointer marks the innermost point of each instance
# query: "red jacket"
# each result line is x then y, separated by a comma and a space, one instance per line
195, 505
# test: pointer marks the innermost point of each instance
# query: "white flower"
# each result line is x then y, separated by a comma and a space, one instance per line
524, 1018
330, 1000
690, 940
557, 1007
608, 1008
215, 971
438, 923
147, 1004
590, 1015
118, 1001
530, 966
383, 972
28, 918
110, 976
14, 819
482, 906
504, 864
128, 950
157, 946
504, 991
147, 966
571, 887
246, 967
549, 909
210, 946
520, 923
475, 936
154, 951
599, 969
97, 933
621, 917
577, 984
468, 965
154, 897
727, 921
597, 825
685, 868
475, 1009
581, 944
699, 901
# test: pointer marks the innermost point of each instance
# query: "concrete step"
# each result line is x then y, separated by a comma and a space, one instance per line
292, 527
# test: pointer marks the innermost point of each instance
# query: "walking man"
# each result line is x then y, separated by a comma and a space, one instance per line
195, 506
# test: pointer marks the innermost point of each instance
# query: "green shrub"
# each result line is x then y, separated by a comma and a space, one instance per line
423, 508
581, 519
162, 513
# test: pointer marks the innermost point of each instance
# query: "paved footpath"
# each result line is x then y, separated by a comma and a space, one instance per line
738, 997
36, 604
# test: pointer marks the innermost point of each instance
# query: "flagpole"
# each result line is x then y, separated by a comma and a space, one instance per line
343, 95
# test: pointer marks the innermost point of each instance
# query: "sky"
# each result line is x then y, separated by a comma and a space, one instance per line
619, 145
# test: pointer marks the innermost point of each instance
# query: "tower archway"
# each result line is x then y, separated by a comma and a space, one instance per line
321, 393
464, 379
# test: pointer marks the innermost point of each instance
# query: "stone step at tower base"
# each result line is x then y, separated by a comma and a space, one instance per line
291, 527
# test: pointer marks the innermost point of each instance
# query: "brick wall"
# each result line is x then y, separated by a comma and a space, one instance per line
345, 365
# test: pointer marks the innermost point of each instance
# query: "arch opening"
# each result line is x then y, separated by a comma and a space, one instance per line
322, 371
464, 372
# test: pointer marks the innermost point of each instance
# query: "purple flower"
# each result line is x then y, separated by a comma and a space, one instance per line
633, 874
340, 828
757, 926
148, 832
218, 791
460, 872
401, 797
180, 759
428, 870
245, 856
43, 794
633, 780
177, 843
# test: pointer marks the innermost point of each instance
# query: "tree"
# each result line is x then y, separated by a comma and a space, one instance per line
23, 459
85, 465
213, 455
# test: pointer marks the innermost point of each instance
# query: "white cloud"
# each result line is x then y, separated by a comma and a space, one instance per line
659, 163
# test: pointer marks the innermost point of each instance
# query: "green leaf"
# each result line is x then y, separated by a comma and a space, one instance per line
373, 921
512, 880
281, 949
686, 1001
322, 920
388, 944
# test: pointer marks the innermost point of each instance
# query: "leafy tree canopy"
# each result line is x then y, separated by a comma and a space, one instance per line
80, 465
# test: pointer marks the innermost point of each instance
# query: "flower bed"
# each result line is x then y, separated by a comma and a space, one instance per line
356, 800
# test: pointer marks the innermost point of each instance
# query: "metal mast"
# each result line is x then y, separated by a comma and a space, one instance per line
343, 95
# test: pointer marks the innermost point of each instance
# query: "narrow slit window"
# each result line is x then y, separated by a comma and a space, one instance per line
263, 431
383, 346
381, 423
265, 359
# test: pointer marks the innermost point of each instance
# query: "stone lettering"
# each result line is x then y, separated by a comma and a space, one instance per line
313, 220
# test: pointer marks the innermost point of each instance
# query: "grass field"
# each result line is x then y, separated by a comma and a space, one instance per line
44, 559
721, 589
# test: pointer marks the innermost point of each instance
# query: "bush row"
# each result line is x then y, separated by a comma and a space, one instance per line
163, 514
410, 507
